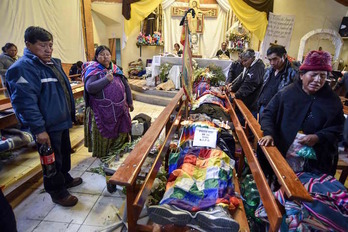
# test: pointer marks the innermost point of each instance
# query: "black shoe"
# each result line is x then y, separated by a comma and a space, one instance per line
75, 182
67, 201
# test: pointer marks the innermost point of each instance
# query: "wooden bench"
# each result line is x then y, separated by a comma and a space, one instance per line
75, 76
286, 176
129, 170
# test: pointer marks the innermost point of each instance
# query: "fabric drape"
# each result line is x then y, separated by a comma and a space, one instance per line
261, 5
17, 15
167, 3
224, 4
140, 10
255, 21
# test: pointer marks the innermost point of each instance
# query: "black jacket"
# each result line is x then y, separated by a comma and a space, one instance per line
287, 76
235, 69
247, 87
284, 116
74, 70
220, 52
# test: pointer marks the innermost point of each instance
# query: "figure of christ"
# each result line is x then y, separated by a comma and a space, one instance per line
196, 24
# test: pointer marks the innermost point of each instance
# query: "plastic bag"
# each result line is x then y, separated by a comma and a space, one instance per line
298, 150
297, 154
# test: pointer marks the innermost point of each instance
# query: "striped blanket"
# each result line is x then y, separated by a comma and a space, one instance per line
327, 212
93, 68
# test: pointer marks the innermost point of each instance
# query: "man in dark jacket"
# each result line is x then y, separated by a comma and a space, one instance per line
235, 69
248, 84
76, 68
223, 50
280, 74
43, 101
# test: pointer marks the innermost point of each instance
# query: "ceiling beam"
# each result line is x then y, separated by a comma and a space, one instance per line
86, 8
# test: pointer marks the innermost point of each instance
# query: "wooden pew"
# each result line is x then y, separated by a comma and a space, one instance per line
129, 170
126, 175
286, 177
345, 108
271, 206
75, 76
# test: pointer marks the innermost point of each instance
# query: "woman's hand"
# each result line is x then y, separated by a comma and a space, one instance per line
131, 108
309, 140
110, 75
266, 141
43, 138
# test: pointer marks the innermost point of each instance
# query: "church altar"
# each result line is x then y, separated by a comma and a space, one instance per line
174, 73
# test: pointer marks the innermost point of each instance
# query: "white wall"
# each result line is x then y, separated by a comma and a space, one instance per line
311, 15
109, 24
99, 30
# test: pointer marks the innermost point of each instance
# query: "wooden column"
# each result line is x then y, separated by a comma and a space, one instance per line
87, 27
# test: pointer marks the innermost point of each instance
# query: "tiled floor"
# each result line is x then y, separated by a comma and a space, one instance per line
97, 208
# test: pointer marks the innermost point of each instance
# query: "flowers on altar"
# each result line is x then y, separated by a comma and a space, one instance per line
154, 40
212, 74
239, 41
164, 71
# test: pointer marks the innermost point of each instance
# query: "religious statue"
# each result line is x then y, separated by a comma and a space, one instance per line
196, 24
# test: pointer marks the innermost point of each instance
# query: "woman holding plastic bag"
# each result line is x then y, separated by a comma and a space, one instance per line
307, 113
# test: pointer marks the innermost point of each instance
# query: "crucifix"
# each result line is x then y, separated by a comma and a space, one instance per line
196, 24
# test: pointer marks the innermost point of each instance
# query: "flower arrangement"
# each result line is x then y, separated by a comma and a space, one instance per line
155, 39
164, 71
212, 73
239, 41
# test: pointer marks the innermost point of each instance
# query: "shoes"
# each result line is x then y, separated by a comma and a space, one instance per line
216, 220
75, 182
167, 214
67, 201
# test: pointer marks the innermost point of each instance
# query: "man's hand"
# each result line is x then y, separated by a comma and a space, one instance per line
43, 138
309, 140
266, 141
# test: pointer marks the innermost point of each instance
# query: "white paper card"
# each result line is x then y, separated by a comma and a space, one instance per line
205, 137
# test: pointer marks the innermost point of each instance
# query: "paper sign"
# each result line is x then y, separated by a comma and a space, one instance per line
205, 137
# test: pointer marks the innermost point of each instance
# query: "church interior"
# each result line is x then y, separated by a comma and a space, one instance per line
228, 115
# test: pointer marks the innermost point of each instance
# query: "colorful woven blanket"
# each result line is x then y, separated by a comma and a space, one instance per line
199, 178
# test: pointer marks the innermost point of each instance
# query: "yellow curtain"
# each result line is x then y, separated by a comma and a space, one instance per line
139, 11
255, 21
